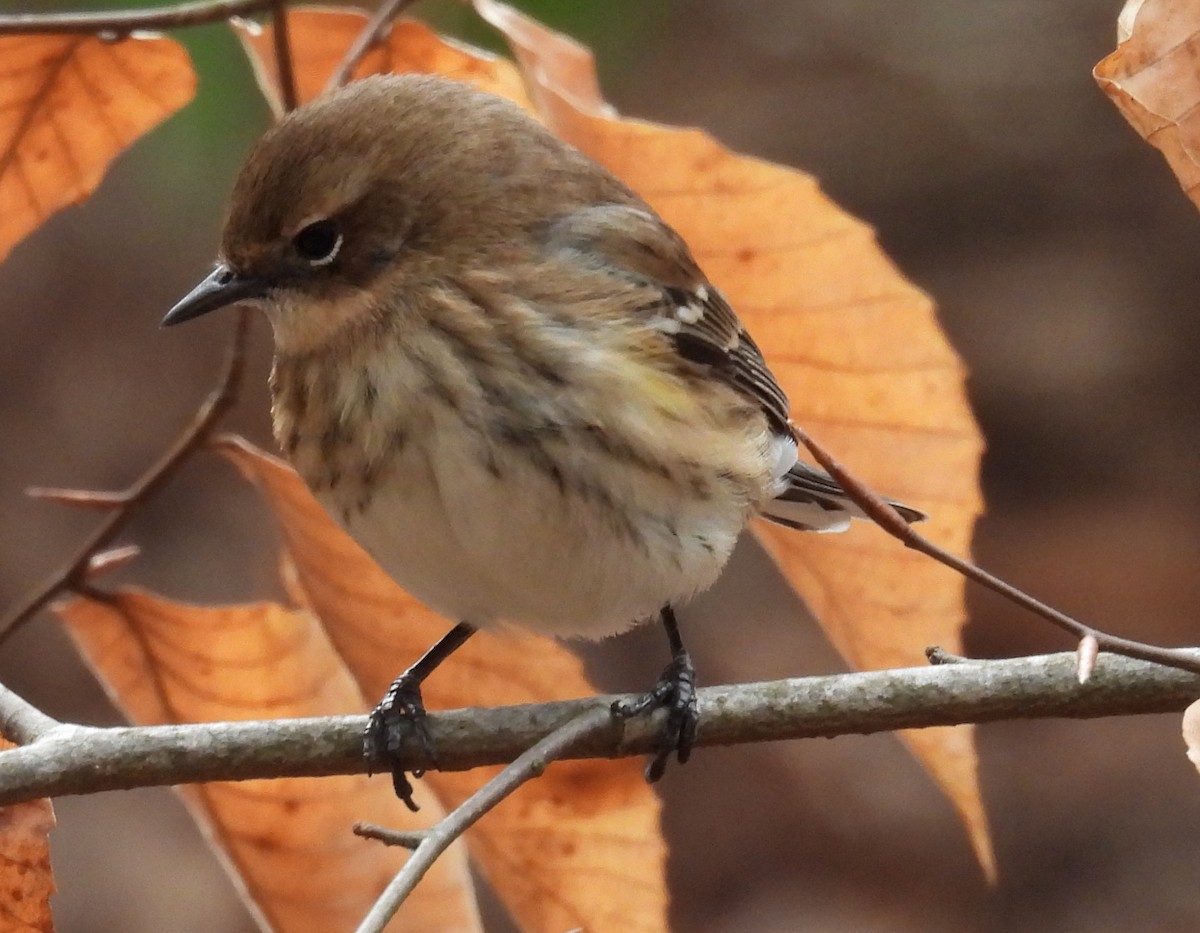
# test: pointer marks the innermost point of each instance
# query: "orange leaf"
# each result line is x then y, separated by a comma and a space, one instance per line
580, 846
26, 880
289, 840
68, 106
1153, 80
319, 39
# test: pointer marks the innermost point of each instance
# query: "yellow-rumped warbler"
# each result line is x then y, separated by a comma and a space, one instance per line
504, 375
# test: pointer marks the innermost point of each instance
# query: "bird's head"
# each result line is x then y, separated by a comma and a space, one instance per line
360, 195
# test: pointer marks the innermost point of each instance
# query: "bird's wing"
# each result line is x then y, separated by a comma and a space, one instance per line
705, 331
682, 303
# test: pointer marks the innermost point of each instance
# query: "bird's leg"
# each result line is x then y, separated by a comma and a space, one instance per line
675, 690
402, 710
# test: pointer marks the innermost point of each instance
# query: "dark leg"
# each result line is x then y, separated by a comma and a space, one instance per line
401, 712
675, 690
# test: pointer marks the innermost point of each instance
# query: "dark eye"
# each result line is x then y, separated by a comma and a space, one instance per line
319, 242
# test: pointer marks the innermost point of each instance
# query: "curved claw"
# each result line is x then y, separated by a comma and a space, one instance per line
675, 691
400, 713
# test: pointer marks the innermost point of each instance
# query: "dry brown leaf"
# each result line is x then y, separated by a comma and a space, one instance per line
578, 847
289, 840
69, 104
857, 347
1154, 80
26, 879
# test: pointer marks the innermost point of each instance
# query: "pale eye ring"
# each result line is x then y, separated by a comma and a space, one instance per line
318, 242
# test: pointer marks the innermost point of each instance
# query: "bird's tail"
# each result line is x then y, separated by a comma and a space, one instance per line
812, 501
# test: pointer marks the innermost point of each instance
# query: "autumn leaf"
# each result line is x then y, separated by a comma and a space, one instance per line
1153, 79
857, 347
288, 840
26, 880
578, 847
69, 104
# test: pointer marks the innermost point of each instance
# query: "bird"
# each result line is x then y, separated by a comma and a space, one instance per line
506, 377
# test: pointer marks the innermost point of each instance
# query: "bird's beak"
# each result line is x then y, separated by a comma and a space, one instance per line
221, 288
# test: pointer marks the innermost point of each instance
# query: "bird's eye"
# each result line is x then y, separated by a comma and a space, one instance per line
319, 242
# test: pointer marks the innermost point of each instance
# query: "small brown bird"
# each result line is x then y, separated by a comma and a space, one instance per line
504, 375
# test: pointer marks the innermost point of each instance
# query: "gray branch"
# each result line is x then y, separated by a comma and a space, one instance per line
22, 722
79, 760
126, 21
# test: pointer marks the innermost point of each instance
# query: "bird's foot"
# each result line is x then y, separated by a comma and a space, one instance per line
399, 715
675, 691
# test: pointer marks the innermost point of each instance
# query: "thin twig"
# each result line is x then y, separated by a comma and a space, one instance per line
123, 22
439, 837
106, 561
365, 41
83, 498
283, 56
74, 572
894, 524
405, 838
20, 720
808, 707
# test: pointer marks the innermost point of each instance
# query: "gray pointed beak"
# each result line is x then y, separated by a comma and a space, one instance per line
223, 287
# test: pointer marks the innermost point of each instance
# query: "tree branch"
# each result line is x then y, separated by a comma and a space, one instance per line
94, 760
122, 22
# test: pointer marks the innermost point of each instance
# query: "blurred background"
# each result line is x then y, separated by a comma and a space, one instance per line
1064, 260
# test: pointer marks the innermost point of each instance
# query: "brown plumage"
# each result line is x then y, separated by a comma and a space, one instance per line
503, 373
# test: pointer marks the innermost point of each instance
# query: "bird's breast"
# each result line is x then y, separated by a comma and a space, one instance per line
562, 529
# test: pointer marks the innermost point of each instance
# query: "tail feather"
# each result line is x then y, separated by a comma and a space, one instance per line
811, 500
